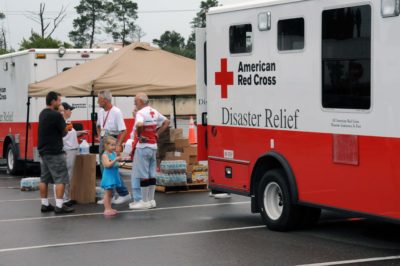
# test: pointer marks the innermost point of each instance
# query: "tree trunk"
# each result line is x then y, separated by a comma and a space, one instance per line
41, 14
123, 34
4, 39
93, 27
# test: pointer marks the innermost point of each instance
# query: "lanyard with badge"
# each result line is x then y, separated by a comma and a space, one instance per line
103, 131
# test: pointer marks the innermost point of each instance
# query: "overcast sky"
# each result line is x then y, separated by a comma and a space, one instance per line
151, 19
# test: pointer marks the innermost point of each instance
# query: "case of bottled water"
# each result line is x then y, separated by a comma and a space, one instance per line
30, 183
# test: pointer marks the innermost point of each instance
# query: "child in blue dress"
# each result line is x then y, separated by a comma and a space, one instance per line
110, 178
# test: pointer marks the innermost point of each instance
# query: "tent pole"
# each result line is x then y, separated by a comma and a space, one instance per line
94, 118
28, 103
174, 109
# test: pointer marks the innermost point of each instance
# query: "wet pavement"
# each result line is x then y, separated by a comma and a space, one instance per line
184, 229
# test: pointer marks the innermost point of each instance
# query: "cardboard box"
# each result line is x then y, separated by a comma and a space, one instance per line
169, 155
83, 181
189, 168
200, 177
193, 160
175, 133
180, 144
180, 156
191, 150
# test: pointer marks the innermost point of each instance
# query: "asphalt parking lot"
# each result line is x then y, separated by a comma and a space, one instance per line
185, 229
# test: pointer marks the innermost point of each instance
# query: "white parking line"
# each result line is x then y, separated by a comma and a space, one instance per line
352, 261
129, 211
18, 200
131, 238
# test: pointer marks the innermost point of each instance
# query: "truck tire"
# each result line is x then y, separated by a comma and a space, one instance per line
275, 201
13, 165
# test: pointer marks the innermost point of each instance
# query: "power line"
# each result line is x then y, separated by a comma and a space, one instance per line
23, 13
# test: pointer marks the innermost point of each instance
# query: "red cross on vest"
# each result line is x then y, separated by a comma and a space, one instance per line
152, 113
224, 78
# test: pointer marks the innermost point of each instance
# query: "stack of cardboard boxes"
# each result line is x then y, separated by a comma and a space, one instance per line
173, 146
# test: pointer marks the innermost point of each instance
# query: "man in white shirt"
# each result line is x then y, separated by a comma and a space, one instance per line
149, 124
110, 122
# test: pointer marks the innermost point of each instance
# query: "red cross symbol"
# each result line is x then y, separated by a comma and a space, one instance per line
224, 78
152, 113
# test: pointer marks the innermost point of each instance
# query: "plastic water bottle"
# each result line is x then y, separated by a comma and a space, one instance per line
84, 147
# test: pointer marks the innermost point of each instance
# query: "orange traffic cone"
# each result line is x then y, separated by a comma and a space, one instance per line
192, 133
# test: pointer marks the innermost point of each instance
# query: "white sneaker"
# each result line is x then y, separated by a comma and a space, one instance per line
121, 199
153, 204
211, 194
141, 205
222, 196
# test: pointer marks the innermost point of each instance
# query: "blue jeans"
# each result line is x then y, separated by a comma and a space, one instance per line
123, 190
136, 191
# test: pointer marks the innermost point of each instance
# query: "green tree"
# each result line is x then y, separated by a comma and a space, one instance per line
87, 25
121, 19
198, 22
171, 41
3, 41
37, 41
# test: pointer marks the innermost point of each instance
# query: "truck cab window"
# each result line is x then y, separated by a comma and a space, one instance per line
291, 34
240, 39
346, 58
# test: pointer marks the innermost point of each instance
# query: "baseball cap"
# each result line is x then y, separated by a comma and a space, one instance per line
67, 106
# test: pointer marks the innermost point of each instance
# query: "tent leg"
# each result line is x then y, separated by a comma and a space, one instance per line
27, 133
94, 119
174, 109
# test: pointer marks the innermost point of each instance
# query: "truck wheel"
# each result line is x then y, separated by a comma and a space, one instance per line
13, 166
275, 201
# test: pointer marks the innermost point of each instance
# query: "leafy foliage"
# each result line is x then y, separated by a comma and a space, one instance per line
37, 41
172, 41
175, 43
199, 22
86, 26
121, 16
3, 41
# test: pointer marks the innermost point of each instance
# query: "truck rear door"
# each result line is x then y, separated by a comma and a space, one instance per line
201, 93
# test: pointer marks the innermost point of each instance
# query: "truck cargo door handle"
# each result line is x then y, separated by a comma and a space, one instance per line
204, 119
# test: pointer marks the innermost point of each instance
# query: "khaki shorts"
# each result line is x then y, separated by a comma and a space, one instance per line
54, 169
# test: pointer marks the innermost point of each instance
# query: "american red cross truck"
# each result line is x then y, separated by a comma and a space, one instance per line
298, 107
19, 69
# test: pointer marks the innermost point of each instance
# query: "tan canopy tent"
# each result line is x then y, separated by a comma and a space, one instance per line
135, 68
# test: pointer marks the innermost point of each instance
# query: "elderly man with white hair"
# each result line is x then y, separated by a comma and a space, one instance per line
110, 122
149, 124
